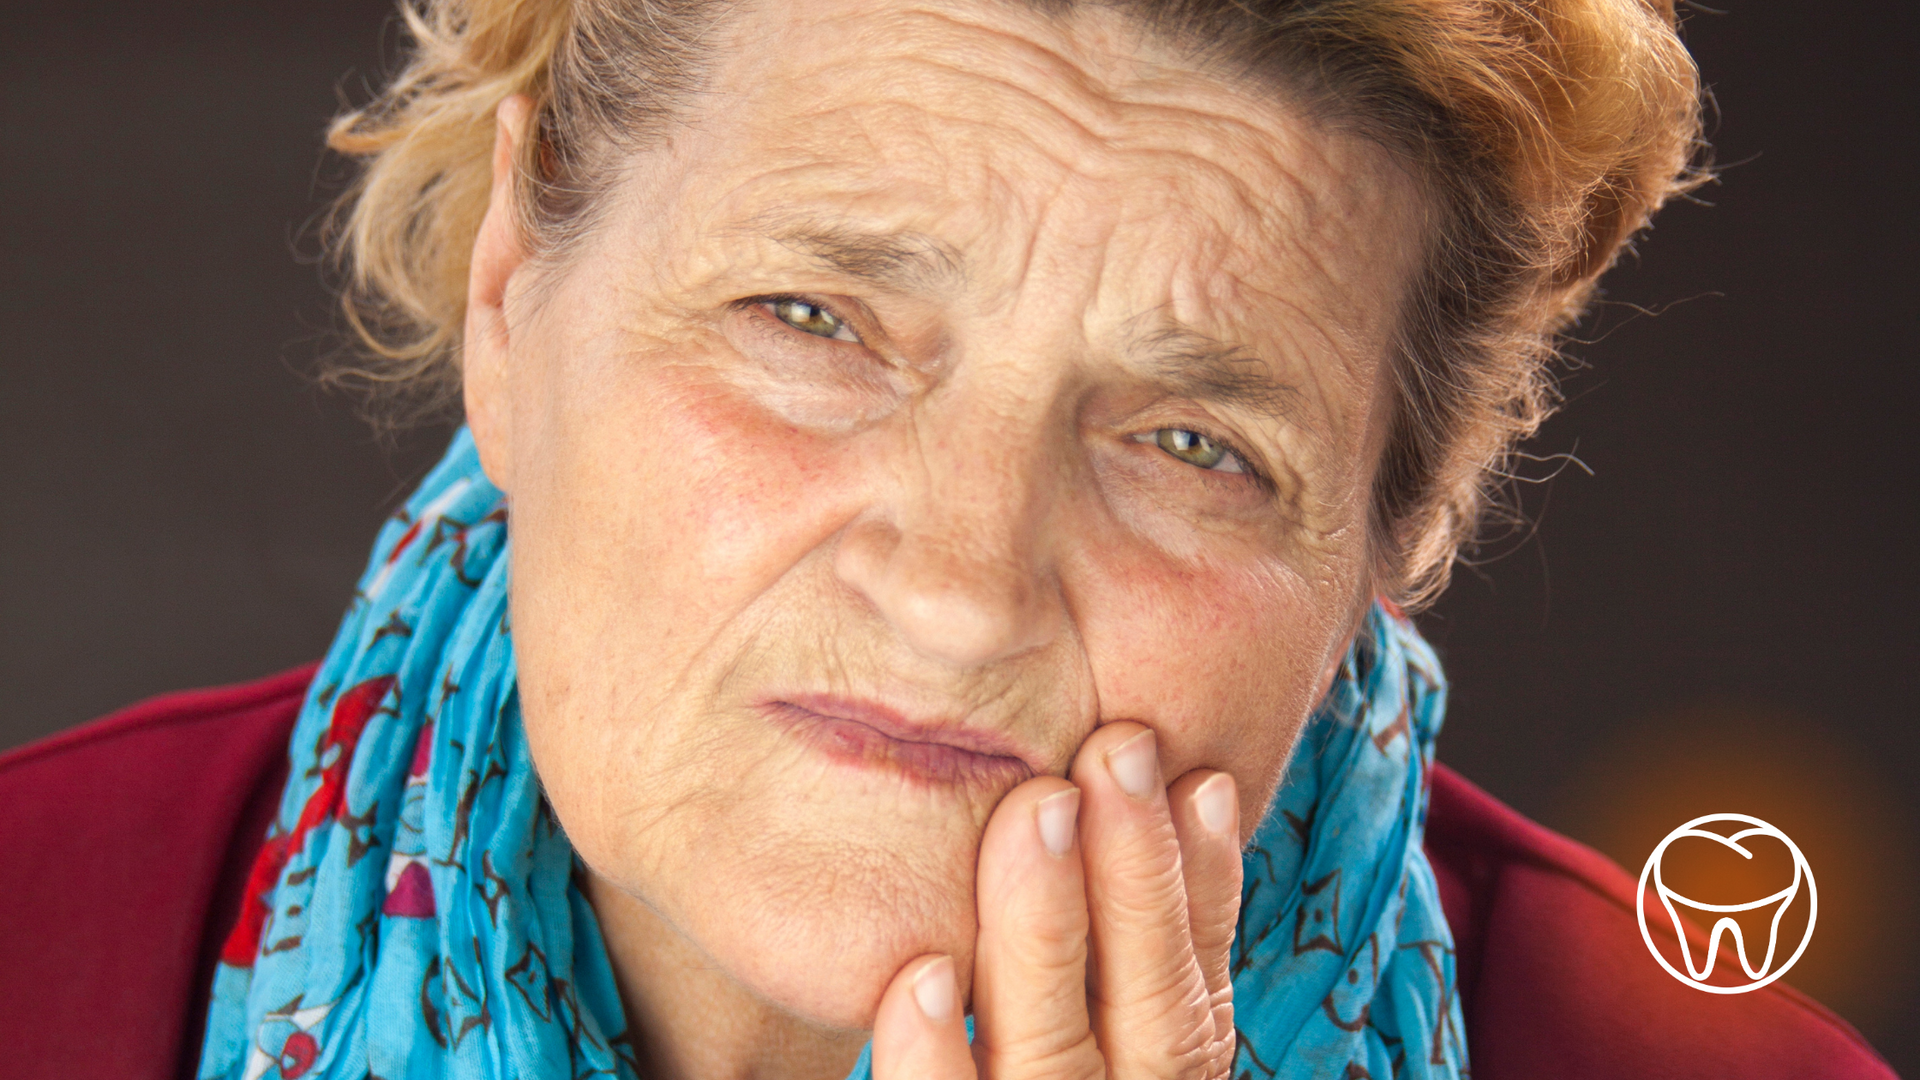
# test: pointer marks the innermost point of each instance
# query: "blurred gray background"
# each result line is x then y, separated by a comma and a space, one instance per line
1715, 611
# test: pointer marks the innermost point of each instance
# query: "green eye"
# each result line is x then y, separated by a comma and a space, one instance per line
1196, 449
812, 319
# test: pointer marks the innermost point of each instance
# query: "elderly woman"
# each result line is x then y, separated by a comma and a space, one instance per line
920, 588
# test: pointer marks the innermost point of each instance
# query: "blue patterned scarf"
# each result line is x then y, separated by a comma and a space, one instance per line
414, 911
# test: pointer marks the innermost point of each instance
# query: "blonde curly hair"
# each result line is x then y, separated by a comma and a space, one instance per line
1548, 130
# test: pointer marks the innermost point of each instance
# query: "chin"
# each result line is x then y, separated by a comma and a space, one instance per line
820, 934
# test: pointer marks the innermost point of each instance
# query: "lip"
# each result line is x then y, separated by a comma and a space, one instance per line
867, 733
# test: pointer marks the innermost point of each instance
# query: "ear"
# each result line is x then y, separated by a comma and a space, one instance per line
499, 251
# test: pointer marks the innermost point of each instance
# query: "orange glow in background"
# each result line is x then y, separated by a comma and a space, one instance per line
1647, 779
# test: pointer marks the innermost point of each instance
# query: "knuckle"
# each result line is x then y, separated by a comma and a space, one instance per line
1215, 925
1169, 990
1210, 1058
1044, 946
1134, 893
1045, 971
1220, 1061
1199, 1044
1040, 1058
1225, 1035
1189, 1052
1193, 1064
1055, 925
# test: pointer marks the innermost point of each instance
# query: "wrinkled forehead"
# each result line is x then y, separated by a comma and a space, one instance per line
1075, 149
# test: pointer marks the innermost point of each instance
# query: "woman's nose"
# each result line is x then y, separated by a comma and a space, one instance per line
957, 563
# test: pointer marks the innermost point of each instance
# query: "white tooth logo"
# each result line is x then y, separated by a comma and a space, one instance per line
1764, 972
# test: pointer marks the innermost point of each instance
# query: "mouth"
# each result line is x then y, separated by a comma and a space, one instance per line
869, 735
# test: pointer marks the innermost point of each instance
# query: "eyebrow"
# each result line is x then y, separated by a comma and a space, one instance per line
905, 261
1192, 364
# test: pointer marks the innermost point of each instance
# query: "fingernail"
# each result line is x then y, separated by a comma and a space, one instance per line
933, 990
1133, 764
1215, 802
1056, 815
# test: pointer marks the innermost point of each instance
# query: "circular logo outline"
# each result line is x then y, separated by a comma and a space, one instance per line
1801, 868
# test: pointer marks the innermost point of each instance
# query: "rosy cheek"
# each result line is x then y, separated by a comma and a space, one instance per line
752, 490
1215, 658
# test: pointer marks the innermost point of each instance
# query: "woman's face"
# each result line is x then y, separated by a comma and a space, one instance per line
954, 381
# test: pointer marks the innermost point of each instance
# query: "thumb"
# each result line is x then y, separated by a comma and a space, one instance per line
920, 1032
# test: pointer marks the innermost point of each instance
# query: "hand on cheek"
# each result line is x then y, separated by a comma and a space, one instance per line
1107, 908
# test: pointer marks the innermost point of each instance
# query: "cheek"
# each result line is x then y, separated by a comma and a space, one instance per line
1223, 661
668, 490
732, 495
660, 508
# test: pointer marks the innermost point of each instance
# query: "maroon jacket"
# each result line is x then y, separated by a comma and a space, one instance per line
125, 844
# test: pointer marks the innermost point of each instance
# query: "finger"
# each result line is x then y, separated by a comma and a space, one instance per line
1152, 1012
920, 1032
1030, 961
1206, 816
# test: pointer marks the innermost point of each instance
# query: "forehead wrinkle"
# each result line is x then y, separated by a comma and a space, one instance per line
1135, 106
1295, 305
1039, 62
940, 79
1346, 304
1079, 152
888, 210
1090, 85
1163, 143
1088, 107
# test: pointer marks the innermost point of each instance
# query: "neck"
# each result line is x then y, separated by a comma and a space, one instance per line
691, 1020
